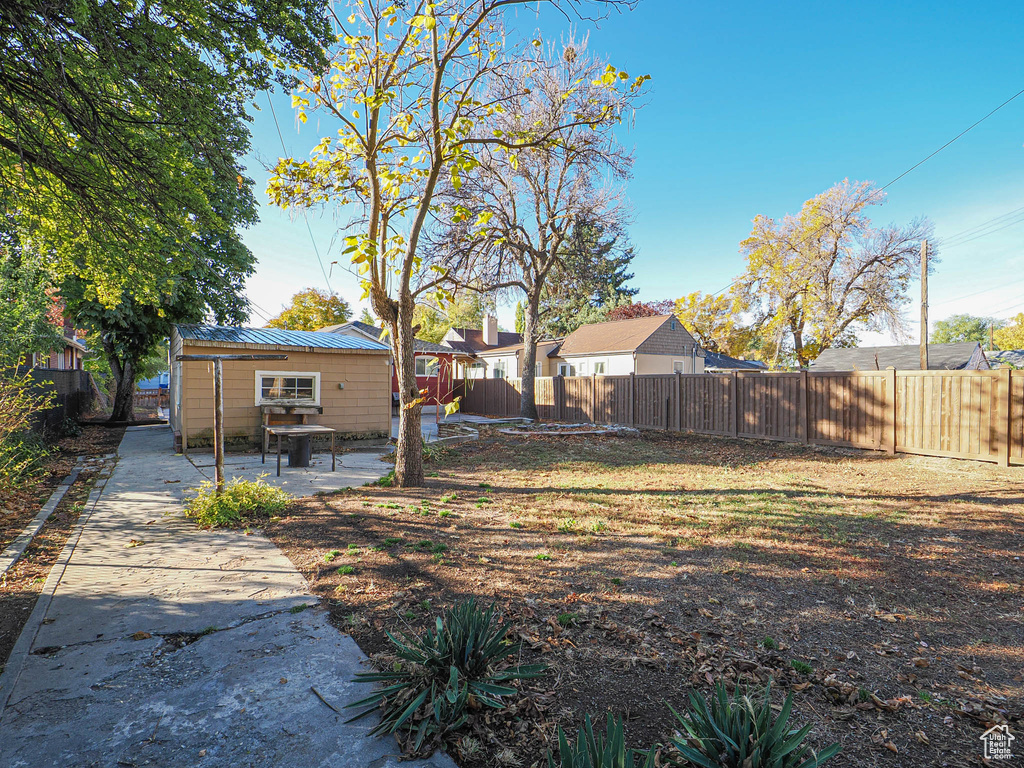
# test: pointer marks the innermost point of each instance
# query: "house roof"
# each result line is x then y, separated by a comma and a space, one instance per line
724, 362
473, 340
276, 337
941, 357
377, 333
1014, 357
612, 336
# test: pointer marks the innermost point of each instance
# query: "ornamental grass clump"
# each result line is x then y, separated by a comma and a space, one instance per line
443, 676
241, 503
592, 750
739, 732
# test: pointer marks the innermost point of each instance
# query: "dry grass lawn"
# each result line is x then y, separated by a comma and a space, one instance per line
884, 592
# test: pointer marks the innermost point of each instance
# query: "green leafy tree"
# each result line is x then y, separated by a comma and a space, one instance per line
957, 328
406, 106
367, 317
814, 279
115, 119
1011, 336
30, 307
715, 321
465, 310
311, 309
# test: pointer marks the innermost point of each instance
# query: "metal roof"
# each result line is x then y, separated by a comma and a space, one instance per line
277, 337
966, 355
724, 362
418, 345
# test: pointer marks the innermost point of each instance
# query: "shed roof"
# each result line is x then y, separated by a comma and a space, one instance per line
611, 336
276, 337
966, 355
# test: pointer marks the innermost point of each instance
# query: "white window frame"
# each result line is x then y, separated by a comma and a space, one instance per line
499, 369
566, 369
315, 375
538, 370
604, 367
678, 366
581, 368
430, 366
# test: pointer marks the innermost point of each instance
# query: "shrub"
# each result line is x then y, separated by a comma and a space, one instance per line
739, 732
242, 502
440, 673
596, 751
21, 450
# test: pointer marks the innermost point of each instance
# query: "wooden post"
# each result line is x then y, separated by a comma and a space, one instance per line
593, 397
679, 401
889, 413
632, 398
734, 396
924, 305
218, 424
803, 403
1004, 432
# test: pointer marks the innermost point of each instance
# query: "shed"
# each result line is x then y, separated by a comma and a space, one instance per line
960, 356
344, 381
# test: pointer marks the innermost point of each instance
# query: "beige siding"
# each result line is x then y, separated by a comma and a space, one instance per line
361, 409
649, 364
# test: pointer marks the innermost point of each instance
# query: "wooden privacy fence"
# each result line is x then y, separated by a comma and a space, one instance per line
151, 399
960, 414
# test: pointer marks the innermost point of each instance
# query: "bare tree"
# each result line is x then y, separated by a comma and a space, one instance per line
410, 98
512, 220
813, 279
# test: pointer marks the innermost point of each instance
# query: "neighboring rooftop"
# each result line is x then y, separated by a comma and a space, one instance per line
276, 337
614, 336
941, 357
378, 333
1006, 357
718, 361
473, 340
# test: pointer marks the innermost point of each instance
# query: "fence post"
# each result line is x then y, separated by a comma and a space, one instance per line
889, 413
632, 398
558, 393
593, 398
679, 401
734, 396
1003, 430
802, 403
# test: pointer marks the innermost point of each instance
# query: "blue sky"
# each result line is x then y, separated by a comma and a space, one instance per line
754, 108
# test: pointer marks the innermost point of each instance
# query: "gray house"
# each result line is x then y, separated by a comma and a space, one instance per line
966, 356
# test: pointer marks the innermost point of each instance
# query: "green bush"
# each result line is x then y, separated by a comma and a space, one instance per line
738, 732
242, 502
22, 451
596, 751
21, 458
429, 693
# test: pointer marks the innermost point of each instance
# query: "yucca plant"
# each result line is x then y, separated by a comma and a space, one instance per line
596, 751
443, 675
739, 732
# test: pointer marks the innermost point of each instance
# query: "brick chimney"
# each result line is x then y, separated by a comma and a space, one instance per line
490, 331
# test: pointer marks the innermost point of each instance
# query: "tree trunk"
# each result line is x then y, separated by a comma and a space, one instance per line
528, 395
124, 388
409, 453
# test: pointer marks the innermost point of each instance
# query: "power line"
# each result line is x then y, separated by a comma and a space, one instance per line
978, 227
309, 229
963, 132
911, 168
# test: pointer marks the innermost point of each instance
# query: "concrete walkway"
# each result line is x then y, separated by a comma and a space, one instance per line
157, 644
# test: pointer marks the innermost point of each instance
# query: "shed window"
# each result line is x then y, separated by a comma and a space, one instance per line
287, 387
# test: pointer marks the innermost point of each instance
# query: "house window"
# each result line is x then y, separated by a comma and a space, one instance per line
475, 371
679, 366
564, 369
599, 368
673, 324
426, 366
538, 370
287, 387
498, 372
581, 369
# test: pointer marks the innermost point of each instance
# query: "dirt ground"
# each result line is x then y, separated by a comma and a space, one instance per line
885, 592
21, 585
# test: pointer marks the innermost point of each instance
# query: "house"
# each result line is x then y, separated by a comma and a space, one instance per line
641, 345
716, 362
343, 380
1007, 358
487, 352
68, 357
435, 364
963, 356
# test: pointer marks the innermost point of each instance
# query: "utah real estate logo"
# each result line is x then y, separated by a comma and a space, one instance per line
997, 741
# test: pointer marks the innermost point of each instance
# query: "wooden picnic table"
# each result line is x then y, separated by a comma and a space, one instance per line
295, 430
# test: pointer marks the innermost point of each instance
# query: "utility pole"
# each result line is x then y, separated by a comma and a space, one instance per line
924, 305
